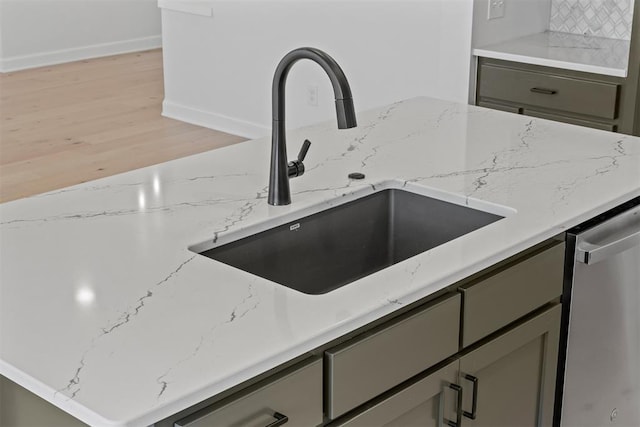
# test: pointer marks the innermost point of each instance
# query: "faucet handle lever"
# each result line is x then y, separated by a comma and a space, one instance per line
296, 167
303, 150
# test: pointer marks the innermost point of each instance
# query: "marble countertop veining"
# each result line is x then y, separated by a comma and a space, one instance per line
562, 50
106, 313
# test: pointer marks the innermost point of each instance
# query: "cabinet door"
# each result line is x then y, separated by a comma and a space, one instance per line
513, 375
427, 401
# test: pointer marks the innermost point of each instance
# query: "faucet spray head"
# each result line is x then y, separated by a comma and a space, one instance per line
346, 113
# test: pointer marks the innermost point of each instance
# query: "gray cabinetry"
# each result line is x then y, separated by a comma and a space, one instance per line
293, 398
426, 401
585, 99
514, 375
507, 354
539, 89
365, 367
21, 408
508, 380
510, 293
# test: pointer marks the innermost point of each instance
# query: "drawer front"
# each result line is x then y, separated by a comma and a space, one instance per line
429, 396
364, 367
296, 396
567, 94
504, 297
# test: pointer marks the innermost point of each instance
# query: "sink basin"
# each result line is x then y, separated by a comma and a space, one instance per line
323, 251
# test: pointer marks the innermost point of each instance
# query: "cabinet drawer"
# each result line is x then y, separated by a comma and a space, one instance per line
366, 366
296, 395
598, 99
492, 303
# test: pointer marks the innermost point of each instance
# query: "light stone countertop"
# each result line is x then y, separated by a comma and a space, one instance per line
562, 50
106, 313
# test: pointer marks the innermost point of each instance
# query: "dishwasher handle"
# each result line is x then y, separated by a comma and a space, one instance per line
589, 253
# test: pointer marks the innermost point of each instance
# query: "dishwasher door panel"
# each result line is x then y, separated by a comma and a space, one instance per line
602, 378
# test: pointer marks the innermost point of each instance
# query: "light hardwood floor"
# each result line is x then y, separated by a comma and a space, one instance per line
71, 123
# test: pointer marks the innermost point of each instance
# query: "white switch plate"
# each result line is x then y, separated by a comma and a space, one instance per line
496, 9
312, 95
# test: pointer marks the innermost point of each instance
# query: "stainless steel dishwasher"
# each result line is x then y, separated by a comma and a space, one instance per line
602, 335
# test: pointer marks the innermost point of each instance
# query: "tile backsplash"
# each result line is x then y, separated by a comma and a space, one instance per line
600, 18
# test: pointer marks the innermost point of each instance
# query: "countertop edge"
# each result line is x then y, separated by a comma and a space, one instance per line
546, 62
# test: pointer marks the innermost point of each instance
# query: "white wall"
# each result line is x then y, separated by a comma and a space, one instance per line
218, 68
1, 55
521, 18
43, 32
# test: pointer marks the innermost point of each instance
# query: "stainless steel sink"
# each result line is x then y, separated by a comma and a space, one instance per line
329, 249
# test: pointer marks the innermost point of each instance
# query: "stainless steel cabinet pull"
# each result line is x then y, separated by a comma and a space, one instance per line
591, 253
474, 403
543, 91
458, 390
280, 420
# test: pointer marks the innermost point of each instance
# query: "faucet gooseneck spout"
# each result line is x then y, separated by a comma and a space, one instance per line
281, 170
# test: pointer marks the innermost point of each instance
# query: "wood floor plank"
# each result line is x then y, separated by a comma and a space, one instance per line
71, 123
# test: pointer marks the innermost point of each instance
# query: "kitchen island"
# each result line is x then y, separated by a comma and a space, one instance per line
107, 314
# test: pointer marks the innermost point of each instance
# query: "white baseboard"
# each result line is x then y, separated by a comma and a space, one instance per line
215, 121
16, 63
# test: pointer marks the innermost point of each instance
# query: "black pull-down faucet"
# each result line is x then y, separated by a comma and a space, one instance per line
281, 171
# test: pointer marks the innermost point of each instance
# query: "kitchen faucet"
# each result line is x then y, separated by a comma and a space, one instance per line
281, 171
